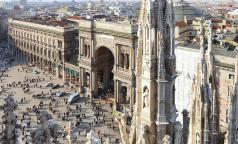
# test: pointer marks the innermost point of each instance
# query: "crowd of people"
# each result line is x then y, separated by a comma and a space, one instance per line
98, 119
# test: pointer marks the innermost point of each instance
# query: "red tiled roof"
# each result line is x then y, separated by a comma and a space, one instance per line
216, 20
75, 17
216, 27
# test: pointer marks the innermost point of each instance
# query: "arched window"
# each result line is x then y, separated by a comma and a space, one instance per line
122, 60
127, 61
88, 50
85, 50
60, 57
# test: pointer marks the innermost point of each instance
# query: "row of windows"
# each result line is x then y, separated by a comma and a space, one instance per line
29, 31
41, 51
124, 60
86, 50
36, 38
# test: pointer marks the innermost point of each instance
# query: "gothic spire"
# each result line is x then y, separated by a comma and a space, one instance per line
213, 86
147, 13
202, 37
202, 53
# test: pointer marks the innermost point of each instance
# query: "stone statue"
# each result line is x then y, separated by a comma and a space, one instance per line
93, 138
127, 98
88, 80
146, 98
166, 139
18, 135
122, 127
42, 135
146, 136
11, 132
197, 138
139, 32
132, 135
226, 138
68, 132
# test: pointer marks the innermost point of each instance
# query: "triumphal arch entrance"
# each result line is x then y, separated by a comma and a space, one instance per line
107, 62
104, 71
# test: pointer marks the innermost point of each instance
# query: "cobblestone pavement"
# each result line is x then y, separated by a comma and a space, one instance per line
18, 73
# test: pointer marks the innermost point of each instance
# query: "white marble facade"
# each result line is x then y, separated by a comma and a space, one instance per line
186, 64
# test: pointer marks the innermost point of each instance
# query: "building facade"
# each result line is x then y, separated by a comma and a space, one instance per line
107, 61
3, 25
103, 64
187, 59
45, 46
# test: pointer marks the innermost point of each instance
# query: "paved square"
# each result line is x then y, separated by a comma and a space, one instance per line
22, 74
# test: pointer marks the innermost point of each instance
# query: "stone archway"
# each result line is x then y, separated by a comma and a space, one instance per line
104, 70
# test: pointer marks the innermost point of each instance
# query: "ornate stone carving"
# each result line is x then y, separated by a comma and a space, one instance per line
122, 127
146, 136
145, 97
166, 139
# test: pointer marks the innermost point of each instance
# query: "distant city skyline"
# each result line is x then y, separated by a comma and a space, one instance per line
123, 0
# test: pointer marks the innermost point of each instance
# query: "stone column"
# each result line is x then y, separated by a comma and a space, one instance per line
80, 84
64, 74
41, 63
81, 47
81, 79
93, 83
116, 62
57, 71
48, 66
124, 61
70, 78
116, 93
88, 50
132, 92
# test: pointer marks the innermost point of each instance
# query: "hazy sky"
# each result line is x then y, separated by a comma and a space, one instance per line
131, 0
